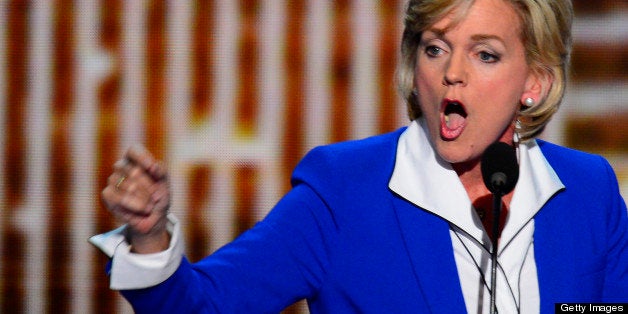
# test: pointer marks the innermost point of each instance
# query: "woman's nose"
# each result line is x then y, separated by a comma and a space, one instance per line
455, 72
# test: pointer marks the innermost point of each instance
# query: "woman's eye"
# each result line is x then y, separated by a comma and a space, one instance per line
433, 51
488, 57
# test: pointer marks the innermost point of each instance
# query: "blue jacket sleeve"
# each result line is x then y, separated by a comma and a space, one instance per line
282, 259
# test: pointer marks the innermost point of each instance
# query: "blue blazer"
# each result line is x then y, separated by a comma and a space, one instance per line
345, 242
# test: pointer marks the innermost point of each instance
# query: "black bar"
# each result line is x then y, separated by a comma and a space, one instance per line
591, 308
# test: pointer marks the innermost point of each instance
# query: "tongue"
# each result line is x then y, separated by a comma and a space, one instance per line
454, 121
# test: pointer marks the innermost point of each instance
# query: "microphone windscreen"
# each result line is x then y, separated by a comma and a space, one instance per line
498, 158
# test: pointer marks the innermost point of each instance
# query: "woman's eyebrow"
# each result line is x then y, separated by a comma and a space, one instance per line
440, 33
486, 37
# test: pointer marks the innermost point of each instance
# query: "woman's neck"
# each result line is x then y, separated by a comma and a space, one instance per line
470, 175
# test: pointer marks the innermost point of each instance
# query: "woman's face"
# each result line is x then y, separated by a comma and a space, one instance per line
471, 78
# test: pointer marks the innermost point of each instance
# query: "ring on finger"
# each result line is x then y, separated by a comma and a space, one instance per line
122, 178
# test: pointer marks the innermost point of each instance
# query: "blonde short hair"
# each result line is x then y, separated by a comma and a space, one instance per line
546, 34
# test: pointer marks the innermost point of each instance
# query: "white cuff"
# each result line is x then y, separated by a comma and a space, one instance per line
137, 271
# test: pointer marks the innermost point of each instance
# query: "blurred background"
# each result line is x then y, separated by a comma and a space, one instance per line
230, 94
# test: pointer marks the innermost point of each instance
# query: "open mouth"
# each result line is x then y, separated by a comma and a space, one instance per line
455, 114
453, 120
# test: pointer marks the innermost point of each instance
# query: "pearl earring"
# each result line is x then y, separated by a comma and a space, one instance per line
528, 102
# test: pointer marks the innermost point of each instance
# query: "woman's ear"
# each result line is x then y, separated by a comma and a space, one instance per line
537, 86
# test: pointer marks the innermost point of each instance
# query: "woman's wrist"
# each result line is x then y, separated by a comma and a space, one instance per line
144, 244
154, 241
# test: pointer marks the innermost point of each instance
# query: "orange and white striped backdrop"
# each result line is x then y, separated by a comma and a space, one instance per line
230, 94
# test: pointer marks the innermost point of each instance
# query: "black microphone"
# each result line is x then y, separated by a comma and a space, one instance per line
500, 172
500, 169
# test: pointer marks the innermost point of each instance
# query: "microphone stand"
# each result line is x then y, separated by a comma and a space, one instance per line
500, 172
497, 209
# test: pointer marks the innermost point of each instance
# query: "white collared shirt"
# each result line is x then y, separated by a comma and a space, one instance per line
421, 177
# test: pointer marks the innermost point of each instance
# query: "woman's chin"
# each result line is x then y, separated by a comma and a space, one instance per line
455, 153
